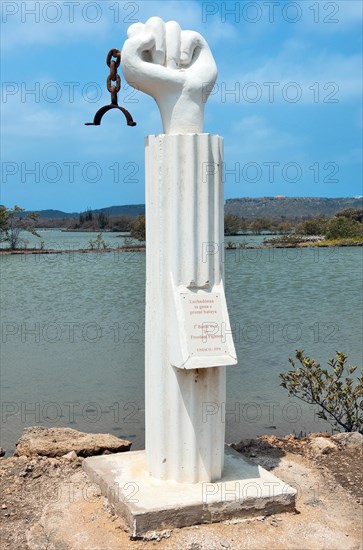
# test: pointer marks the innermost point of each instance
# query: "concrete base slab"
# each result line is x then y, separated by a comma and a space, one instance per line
148, 504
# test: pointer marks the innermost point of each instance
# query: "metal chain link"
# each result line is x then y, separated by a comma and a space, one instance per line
113, 76
113, 89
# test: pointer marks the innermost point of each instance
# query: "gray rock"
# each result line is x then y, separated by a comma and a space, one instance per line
71, 456
322, 445
157, 535
53, 442
2, 452
349, 439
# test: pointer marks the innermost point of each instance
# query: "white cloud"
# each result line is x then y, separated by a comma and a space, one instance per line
49, 25
58, 23
32, 126
326, 18
253, 137
319, 77
346, 13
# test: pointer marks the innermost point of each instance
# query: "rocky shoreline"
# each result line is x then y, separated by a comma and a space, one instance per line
49, 503
7, 252
142, 248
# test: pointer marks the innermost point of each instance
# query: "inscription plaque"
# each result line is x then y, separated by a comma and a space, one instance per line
202, 336
204, 325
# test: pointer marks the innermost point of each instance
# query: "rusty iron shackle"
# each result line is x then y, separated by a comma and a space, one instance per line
113, 89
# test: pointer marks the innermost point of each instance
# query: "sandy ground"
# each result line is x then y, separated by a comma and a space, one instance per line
49, 504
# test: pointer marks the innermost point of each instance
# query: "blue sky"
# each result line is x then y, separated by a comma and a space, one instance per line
287, 99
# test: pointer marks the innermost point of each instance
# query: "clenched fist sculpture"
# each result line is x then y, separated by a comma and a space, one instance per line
175, 67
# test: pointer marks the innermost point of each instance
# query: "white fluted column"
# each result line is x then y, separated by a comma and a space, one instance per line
184, 228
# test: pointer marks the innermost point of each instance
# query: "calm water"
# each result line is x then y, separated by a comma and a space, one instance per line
73, 344
75, 240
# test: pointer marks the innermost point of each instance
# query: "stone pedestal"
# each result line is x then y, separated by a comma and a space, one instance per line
148, 504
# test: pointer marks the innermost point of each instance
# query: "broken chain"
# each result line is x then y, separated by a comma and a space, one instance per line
113, 76
113, 89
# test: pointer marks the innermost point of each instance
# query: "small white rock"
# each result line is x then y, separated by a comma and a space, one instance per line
71, 456
322, 445
349, 439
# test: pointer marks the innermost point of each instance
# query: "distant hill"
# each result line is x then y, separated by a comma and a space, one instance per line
275, 208
53, 214
289, 208
125, 210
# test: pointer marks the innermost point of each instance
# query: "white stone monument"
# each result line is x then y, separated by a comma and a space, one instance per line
188, 341
184, 476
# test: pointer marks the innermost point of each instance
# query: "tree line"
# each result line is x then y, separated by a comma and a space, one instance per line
345, 224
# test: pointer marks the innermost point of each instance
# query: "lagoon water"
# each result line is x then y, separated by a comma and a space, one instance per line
73, 336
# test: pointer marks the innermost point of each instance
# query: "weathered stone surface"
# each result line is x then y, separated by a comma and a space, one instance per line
150, 505
322, 445
53, 520
71, 456
349, 439
53, 442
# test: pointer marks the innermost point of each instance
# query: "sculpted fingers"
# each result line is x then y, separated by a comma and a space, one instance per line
156, 27
136, 28
134, 58
196, 56
172, 39
172, 66
144, 48
191, 43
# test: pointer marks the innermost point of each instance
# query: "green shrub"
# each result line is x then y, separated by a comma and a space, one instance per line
333, 390
343, 227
